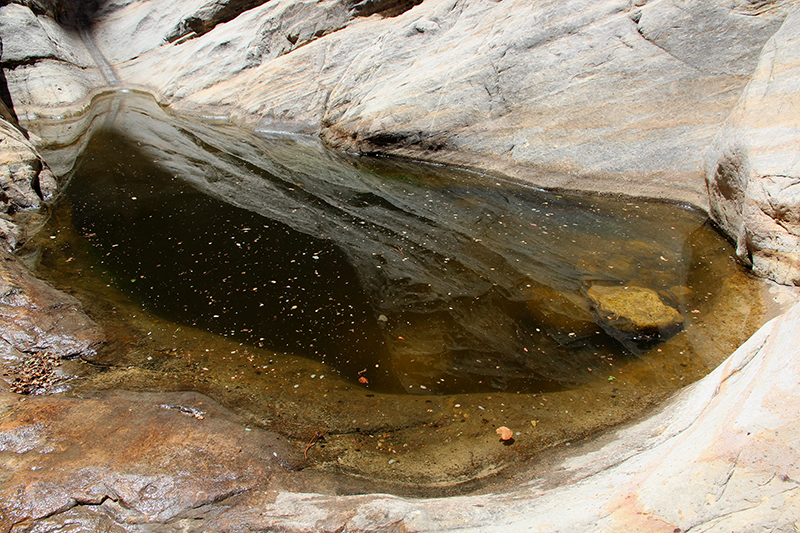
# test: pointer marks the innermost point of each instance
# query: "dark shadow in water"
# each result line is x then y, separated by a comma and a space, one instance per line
401, 276
198, 260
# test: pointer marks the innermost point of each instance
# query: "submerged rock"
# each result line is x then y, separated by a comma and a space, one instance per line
156, 462
635, 313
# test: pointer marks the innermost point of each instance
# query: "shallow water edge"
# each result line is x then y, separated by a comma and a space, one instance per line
409, 444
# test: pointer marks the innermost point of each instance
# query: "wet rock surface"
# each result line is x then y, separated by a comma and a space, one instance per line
38, 318
127, 460
695, 464
634, 313
38, 324
405, 444
25, 181
156, 465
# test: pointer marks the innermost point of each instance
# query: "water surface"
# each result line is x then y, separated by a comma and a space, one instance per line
251, 266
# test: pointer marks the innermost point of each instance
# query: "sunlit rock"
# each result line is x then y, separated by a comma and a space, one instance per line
28, 38
634, 312
621, 96
608, 96
25, 181
141, 458
753, 167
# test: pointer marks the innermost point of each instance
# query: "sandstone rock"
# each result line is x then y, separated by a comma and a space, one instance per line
131, 459
616, 94
633, 312
720, 456
254, 38
470, 83
604, 96
36, 317
259, 31
63, 86
11, 234
753, 167
24, 179
28, 38
209, 16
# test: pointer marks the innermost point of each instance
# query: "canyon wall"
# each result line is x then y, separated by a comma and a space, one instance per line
685, 100
613, 96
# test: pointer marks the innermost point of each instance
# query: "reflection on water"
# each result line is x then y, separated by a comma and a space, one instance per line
401, 276
201, 261
211, 255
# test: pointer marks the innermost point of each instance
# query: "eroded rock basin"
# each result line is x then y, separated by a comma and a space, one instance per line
436, 305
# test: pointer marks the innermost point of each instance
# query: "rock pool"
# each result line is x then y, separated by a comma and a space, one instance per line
384, 315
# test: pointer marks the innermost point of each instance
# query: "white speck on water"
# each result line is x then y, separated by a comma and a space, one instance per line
481, 408
296, 386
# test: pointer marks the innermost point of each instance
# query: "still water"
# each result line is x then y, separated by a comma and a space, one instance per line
397, 279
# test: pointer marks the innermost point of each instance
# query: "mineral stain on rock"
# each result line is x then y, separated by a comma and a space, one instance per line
141, 462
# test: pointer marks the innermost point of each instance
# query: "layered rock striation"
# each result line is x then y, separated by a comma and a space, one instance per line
36, 320
611, 96
606, 96
753, 166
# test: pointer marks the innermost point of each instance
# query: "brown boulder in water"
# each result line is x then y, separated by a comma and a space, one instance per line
633, 312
